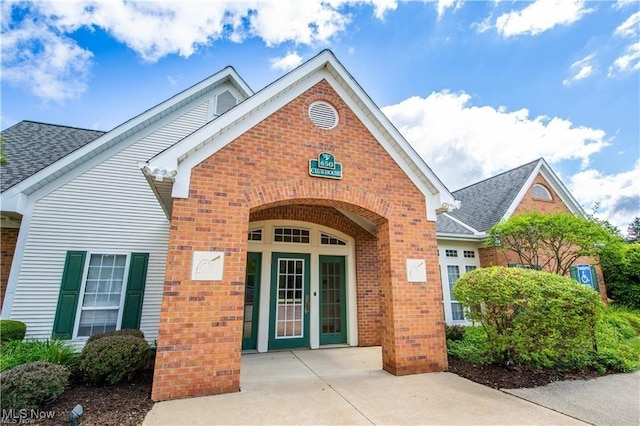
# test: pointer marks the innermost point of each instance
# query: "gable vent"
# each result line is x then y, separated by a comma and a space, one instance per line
224, 102
323, 115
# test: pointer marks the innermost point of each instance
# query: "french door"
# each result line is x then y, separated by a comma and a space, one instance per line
290, 301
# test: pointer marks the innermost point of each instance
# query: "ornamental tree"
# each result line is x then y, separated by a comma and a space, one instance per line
552, 242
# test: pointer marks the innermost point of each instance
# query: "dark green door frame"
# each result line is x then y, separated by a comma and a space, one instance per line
251, 301
333, 306
290, 301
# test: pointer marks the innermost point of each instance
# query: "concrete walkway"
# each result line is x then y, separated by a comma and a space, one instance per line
348, 386
608, 400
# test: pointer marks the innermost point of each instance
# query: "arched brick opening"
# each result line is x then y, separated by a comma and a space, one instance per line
368, 293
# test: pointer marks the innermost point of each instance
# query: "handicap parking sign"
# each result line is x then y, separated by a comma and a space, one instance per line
584, 275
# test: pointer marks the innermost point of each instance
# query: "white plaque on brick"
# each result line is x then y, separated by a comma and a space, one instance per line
207, 265
416, 271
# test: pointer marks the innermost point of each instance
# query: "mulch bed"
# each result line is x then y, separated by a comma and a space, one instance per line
121, 404
128, 403
501, 377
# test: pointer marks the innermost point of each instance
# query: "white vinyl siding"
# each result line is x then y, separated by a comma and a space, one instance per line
108, 209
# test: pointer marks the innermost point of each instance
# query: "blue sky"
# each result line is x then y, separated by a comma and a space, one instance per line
476, 87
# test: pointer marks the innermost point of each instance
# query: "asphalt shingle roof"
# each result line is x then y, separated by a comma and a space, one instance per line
446, 225
31, 146
486, 202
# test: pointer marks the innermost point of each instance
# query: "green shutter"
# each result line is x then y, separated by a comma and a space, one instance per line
135, 290
594, 279
69, 295
573, 271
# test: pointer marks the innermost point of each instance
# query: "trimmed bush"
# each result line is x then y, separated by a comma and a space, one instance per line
123, 332
112, 359
532, 317
54, 351
621, 270
454, 332
473, 347
612, 354
28, 385
11, 330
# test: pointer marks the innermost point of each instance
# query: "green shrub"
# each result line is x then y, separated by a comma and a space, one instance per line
630, 316
112, 359
54, 351
532, 317
454, 332
612, 354
123, 332
28, 385
473, 347
11, 330
621, 270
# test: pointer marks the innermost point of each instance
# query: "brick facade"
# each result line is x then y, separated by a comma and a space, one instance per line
494, 257
264, 173
8, 240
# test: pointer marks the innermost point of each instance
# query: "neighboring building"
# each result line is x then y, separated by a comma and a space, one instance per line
462, 233
224, 220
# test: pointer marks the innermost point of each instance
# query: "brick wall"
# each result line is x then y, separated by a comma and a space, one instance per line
8, 240
200, 328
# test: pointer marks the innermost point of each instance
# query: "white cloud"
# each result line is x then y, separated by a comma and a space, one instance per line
464, 143
624, 3
581, 69
541, 16
39, 49
629, 28
618, 194
286, 63
51, 65
629, 61
443, 5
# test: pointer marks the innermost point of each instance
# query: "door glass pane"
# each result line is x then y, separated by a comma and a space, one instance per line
249, 291
331, 288
289, 314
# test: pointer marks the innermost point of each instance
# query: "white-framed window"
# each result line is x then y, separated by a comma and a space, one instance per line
451, 253
101, 294
255, 235
469, 254
330, 240
539, 192
453, 273
291, 235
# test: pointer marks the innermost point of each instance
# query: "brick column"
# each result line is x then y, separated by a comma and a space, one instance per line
413, 338
200, 331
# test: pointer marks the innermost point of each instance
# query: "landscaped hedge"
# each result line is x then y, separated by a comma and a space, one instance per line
532, 317
28, 385
123, 332
114, 358
11, 330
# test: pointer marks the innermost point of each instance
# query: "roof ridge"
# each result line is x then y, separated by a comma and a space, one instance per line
499, 174
61, 125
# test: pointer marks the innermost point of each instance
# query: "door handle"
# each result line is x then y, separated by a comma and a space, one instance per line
306, 304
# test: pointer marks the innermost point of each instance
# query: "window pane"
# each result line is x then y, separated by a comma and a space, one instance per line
103, 289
